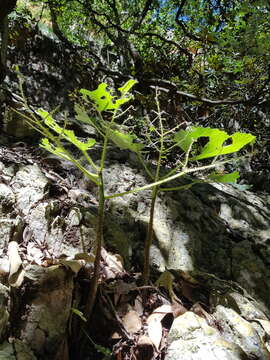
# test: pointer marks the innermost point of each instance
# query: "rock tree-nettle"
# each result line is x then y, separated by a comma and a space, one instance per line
103, 101
55, 141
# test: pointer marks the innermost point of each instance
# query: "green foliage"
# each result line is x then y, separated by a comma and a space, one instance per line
54, 140
217, 49
216, 145
79, 313
125, 141
64, 133
103, 100
227, 178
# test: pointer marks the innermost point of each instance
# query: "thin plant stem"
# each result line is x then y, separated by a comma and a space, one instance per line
173, 177
90, 161
149, 237
155, 190
148, 172
181, 165
91, 298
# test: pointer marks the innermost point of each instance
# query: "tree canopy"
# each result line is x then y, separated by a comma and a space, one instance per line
210, 49
210, 58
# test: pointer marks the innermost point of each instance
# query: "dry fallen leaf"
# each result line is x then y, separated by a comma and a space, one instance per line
132, 322
116, 336
154, 323
89, 258
178, 309
73, 265
16, 272
144, 340
114, 264
199, 310
164, 309
138, 305
123, 288
155, 328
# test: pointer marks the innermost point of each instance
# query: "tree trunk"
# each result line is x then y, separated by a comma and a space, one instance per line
6, 6
3, 50
57, 31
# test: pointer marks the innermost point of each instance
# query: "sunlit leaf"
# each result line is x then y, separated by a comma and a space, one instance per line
62, 153
56, 150
101, 97
49, 121
122, 101
217, 141
128, 85
104, 100
224, 178
132, 321
70, 136
65, 133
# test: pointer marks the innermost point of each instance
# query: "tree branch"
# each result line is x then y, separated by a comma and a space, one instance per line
184, 28
171, 42
145, 10
167, 86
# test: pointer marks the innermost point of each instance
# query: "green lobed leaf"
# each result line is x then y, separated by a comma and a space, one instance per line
70, 136
224, 178
184, 138
215, 146
122, 101
62, 153
127, 86
125, 141
56, 150
103, 98
65, 133
49, 121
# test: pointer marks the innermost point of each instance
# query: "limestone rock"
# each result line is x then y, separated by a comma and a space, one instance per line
211, 234
44, 316
29, 185
191, 337
4, 314
241, 332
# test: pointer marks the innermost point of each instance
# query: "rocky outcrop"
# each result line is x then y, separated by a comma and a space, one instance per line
213, 239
